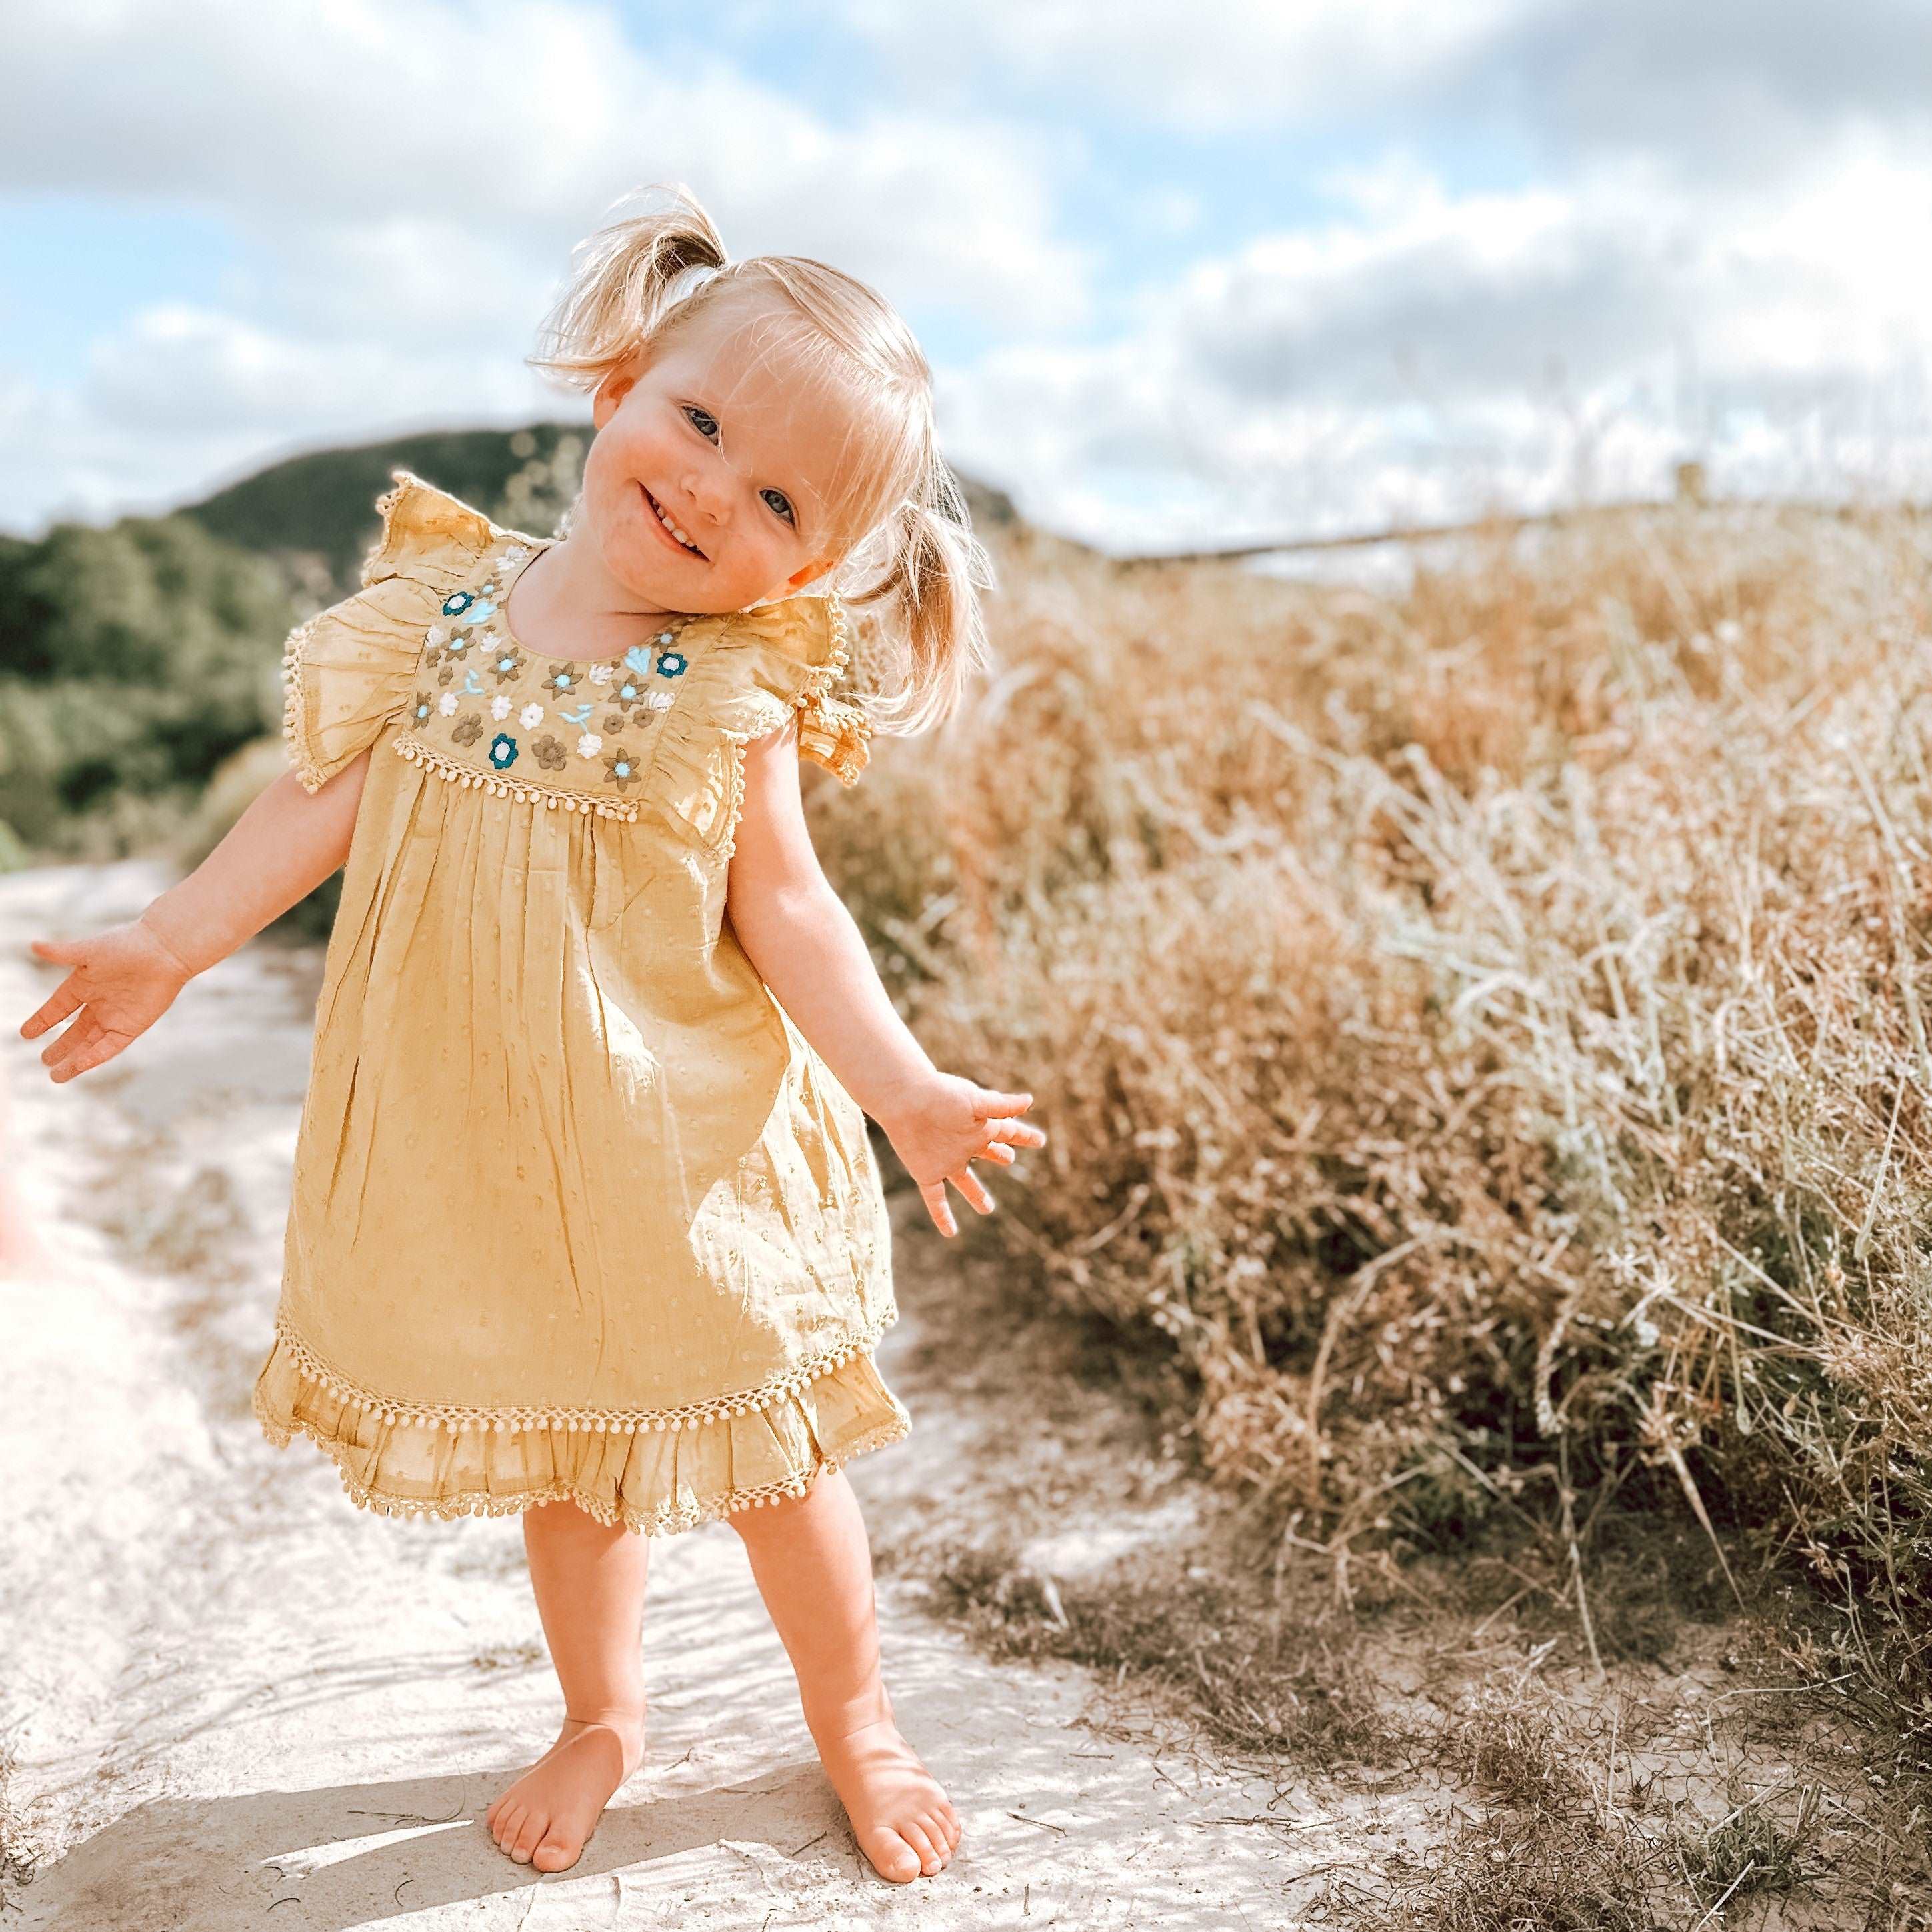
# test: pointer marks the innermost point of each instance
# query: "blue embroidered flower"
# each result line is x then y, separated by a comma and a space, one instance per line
474, 613
562, 680
502, 751
456, 603
672, 664
638, 658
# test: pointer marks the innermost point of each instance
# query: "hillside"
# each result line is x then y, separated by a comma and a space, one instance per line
320, 504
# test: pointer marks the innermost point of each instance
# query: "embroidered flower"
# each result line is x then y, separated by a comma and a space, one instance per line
630, 688
620, 768
550, 753
425, 703
446, 704
478, 607
439, 634
514, 555
615, 722
502, 751
602, 673
456, 603
530, 717
506, 663
445, 669
563, 680
659, 700
468, 728
500, 707
673, 663
589, 745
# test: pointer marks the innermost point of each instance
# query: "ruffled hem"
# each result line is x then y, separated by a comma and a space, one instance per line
655, 1472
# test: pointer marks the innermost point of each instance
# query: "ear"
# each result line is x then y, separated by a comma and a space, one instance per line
612, 391
818, 567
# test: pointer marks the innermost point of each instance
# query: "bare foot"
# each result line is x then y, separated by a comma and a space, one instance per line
546, 1818
903, 1821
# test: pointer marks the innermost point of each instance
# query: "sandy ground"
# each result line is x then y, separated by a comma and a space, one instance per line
232, 1700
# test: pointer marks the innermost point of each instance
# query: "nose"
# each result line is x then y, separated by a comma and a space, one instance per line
707, 490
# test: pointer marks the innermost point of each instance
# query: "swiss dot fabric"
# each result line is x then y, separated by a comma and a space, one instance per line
577, 1213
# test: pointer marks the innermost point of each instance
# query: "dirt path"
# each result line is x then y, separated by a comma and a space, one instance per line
231, 1700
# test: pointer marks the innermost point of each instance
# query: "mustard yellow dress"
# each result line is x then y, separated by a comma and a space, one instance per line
577, 1211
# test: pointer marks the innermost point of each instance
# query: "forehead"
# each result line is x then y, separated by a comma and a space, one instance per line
763, 373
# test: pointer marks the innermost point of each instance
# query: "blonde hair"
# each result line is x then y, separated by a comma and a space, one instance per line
646, 278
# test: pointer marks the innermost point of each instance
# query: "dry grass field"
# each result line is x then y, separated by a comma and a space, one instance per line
1482, 1032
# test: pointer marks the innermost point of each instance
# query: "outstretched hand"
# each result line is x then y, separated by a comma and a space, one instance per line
945, 1123
123, 980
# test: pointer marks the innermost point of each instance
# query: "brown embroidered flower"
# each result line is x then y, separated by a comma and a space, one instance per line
550, 753
468, 728
506, 661
621, 768
445, 668
424, 709
566, 681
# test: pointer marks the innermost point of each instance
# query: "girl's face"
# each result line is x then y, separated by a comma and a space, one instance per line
722, 433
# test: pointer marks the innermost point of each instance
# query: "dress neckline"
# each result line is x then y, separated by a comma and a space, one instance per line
533, 547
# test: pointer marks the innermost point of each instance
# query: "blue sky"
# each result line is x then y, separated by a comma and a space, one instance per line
1301, 267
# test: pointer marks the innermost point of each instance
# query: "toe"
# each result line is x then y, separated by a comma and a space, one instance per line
503, 1829
892, 1857
915, 1836
529, 1835
555, 1853
938, 1832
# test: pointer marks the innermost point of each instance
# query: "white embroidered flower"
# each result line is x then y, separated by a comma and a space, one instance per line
600, 673
589, 745
439, 634
514, 556
530, 715
446, 704
499, 706
659, 700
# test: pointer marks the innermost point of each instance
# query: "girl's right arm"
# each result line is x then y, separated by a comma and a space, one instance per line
123, 979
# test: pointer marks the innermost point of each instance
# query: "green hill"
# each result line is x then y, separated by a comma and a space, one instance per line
320, 505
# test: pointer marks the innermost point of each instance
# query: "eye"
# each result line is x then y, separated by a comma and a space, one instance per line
708, 426
778, 500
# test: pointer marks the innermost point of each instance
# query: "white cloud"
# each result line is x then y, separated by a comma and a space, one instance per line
405, 182
1426, 354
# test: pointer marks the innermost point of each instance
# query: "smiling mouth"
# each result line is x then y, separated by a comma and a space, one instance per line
683, 543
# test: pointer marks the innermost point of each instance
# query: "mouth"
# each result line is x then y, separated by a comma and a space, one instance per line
672, 534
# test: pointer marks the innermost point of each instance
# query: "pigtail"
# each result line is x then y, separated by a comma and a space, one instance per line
622, 280
933, 571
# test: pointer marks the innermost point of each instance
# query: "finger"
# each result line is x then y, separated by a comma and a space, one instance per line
55, 1008
104, 1046
1017, 1133
986, 1103
970, 1184
57, 1052
61, 952
934, 1195
994, 1151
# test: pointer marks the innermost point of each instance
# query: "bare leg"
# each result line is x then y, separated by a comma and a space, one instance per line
589, 1584
814, 1568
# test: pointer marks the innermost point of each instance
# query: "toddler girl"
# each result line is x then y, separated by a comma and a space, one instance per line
585, 1221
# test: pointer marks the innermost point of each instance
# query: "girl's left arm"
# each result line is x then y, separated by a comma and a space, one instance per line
808, 949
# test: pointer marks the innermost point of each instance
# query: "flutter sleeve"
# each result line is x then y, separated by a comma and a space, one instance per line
798, 657
349, 670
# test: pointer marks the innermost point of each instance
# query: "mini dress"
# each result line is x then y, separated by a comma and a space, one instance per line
577, 1212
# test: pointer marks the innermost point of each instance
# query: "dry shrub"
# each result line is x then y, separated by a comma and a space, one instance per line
1482, 1031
